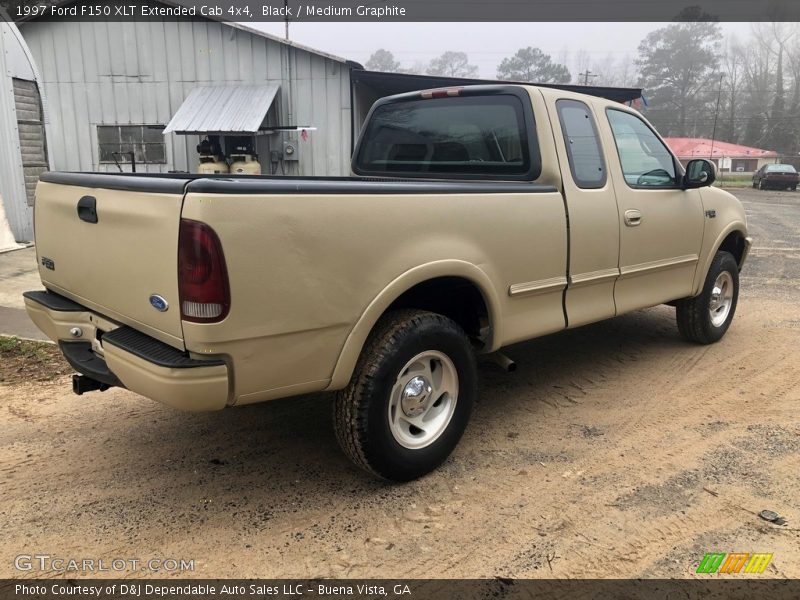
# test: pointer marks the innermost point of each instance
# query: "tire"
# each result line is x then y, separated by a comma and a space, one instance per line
370, 413
755, 185
761, 184
700, 321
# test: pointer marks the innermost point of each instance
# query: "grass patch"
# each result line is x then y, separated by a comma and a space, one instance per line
24, 361
734, 181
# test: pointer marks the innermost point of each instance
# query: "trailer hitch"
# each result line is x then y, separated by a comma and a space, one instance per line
82, 383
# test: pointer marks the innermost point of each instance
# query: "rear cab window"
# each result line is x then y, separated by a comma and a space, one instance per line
584, 152
485, 134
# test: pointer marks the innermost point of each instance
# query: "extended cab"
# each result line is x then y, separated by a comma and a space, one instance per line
477, 217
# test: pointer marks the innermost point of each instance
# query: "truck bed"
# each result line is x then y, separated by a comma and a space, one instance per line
178, 183
309, 260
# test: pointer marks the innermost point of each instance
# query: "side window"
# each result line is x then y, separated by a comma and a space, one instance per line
145, 141
583, 144
645, 160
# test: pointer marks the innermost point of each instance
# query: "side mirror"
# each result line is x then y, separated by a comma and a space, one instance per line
699, 173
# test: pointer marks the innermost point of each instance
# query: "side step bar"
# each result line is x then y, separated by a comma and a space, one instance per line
81, 358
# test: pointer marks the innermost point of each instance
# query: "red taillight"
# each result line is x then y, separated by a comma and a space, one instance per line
202, 277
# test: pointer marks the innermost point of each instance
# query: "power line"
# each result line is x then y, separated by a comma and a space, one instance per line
586, 75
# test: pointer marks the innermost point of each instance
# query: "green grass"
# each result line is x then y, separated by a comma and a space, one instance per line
729, 180
27, 360
13, 346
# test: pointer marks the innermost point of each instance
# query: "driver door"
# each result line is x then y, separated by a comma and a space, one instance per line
661, 225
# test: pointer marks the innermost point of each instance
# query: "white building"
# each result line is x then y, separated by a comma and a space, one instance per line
22, 134
114, 86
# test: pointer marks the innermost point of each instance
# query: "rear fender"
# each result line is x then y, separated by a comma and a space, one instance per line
445, 268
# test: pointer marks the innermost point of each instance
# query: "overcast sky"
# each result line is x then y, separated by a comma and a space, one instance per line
485, 43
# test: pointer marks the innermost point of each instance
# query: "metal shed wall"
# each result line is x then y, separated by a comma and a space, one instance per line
97, 73
16, 66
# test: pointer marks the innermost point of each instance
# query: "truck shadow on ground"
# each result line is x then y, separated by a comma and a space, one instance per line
138, 471
285, 451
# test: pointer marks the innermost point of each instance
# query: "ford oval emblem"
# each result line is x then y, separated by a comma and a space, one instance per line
159, 302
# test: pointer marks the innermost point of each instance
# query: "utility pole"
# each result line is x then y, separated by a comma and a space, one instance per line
586, 75
714, 129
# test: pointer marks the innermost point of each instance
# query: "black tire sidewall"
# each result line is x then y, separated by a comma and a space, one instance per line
387, 456
723, 261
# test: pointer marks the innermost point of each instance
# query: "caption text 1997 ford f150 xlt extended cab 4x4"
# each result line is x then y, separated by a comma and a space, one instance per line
477, 217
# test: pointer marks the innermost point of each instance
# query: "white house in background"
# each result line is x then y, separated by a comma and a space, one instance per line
728, 157
22, 132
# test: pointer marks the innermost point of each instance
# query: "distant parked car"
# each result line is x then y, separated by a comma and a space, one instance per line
776, 177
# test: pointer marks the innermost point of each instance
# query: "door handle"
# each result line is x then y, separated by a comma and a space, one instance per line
633, 218
87, 209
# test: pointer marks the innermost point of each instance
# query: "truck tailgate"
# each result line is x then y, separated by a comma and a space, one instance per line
116, 250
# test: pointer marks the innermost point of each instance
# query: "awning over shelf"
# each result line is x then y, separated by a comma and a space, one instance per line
225, 109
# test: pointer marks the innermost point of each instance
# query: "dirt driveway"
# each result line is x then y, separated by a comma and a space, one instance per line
616, 450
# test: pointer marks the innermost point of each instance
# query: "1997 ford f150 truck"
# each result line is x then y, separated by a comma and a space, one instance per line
477, 217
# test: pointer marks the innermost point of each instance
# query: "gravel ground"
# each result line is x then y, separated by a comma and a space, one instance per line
615, 450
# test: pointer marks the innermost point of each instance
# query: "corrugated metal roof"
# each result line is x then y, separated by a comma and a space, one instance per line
285, 42
223, 109
240, 26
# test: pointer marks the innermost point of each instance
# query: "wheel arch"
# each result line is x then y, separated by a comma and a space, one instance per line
731, 239
445, 272
734, 243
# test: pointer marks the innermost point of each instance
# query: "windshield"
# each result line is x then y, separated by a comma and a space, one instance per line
472, 135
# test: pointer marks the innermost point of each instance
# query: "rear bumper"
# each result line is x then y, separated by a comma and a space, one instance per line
779, 182
119, 355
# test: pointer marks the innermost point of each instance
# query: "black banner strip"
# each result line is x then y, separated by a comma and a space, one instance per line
742, 587
297, 11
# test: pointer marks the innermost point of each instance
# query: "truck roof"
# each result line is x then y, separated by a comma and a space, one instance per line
395, 83
498, 87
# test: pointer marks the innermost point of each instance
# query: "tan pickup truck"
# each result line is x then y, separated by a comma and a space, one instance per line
477, 217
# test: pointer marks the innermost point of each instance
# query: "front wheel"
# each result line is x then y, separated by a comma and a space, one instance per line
410, 397
705, 318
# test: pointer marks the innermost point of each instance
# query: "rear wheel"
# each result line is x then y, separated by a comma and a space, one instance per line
761, 184
410, 397
705, 318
